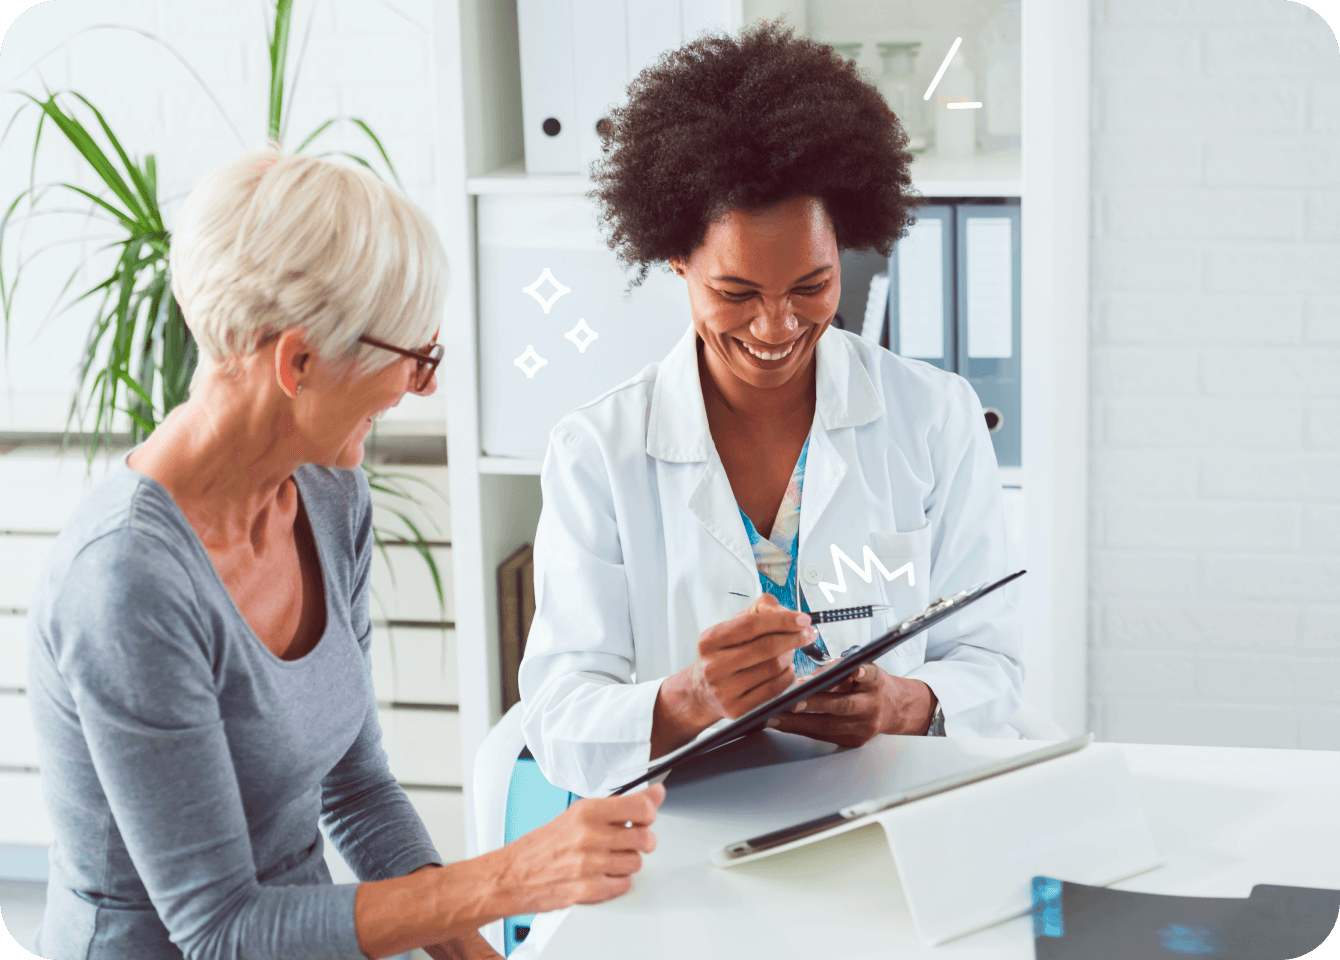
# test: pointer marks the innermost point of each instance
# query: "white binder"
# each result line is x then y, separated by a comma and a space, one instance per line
548, 94
578, 56
601, 65
652, 28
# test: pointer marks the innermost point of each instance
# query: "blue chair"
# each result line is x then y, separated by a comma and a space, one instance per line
532, 801
512, 798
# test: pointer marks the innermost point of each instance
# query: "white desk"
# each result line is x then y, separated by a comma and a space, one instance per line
1224, 818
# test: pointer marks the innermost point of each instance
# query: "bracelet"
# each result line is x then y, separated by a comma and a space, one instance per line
937, 727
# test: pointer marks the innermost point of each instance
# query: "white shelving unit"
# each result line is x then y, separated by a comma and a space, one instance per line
985, 175
496, 501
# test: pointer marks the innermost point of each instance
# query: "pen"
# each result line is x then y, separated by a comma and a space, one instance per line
847, 613
838, 613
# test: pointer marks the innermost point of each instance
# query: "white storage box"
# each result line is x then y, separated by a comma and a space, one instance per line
563, 361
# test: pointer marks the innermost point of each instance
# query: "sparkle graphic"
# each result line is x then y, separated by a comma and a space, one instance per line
534, 290
866, 574
530, 361
581, 335
958, 41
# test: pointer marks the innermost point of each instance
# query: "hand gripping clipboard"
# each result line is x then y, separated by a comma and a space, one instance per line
840, 670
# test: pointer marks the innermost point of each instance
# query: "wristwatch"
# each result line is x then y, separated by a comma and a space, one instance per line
937, 727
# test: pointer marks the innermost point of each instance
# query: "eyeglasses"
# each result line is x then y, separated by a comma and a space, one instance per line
427, 359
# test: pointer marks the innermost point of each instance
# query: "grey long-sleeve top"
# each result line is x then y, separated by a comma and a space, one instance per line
185, 766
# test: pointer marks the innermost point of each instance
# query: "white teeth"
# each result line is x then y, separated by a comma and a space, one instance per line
767, 356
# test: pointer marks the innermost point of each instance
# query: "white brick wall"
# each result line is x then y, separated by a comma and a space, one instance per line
365, 59
1216, 374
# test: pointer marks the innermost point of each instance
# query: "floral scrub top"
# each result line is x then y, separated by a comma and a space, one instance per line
776, 556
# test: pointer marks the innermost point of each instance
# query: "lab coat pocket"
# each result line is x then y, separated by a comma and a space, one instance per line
908, 556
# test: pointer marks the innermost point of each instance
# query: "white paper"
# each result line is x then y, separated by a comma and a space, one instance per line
876, 306
990, 287
921, 317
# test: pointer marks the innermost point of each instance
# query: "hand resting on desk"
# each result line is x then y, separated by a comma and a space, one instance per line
868, 703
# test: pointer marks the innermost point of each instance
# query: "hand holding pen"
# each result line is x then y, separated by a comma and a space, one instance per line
741, 663
836, 615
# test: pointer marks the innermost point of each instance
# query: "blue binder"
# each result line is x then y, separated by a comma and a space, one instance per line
918, 275
988, 313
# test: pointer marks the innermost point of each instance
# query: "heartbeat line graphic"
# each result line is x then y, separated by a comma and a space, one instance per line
839, 558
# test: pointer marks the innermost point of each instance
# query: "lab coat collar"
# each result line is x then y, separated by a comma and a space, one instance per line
677, 428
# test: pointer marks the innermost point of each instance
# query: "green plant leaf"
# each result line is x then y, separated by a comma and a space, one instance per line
297, 72
147, 207
147, 426
83, 141
314, 134
278, 58
135, 388
380, 149
362, 162
421, 547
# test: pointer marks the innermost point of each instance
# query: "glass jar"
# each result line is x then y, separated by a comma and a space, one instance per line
895, 83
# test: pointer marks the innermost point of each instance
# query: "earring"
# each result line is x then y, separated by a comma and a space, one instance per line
299, 389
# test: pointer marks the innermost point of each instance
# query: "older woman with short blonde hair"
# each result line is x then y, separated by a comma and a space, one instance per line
199, 638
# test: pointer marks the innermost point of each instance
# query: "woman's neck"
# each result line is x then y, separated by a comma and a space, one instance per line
726, 395
222, 457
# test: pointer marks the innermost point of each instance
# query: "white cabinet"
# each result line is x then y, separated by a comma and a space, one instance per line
23, 817
18, 745
21, 559
546, 352
13, 649
423, 745
403, 590
414, 664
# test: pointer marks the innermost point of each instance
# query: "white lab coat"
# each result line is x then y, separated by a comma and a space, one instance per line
640, 543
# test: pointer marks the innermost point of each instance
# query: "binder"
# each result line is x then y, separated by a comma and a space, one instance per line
652, 29
600, 63
577, 58
922, 290
526, 583
548, 92
988, 335
513, 624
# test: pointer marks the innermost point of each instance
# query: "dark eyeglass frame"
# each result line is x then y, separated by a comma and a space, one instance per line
428, 358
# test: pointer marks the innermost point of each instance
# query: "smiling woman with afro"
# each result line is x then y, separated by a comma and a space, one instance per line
742, 122
674, 564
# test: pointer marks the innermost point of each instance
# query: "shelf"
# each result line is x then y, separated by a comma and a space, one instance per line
1009, 476
997, 174
510, 465
512, 178
985, 175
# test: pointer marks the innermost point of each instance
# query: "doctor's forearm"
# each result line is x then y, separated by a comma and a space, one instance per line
913, 707
679, 714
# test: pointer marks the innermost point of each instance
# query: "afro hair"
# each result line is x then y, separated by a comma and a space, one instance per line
741, 122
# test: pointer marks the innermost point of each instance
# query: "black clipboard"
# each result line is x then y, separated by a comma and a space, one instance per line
843, 668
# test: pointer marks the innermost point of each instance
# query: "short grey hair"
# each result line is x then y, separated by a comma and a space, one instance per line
267, 242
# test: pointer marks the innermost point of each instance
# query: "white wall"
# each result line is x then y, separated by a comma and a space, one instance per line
365, 59
1215, 530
